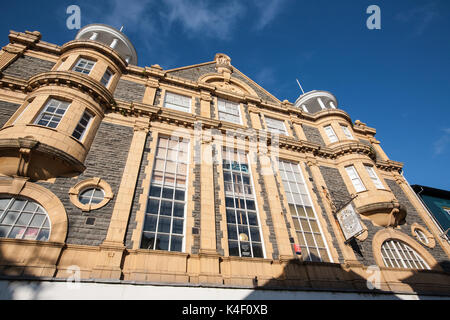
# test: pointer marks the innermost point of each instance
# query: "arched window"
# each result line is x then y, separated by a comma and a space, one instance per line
397, 254
21, 218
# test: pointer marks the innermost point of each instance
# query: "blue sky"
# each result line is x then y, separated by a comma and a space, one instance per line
396, 79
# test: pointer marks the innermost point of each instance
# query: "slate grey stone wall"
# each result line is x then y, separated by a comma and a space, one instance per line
340, 196
291, 125
198, 109
196, 198
129, 91
135, 207
314, 108
266, 208
106, 159
263, 95
323, 213
212, 109
26, 67
313, 135
157, 97
413, 217
217, 202
194, 73
247, 116
363, 249
7, 109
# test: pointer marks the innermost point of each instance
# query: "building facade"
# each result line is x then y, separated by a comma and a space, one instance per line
194, 177
437, 202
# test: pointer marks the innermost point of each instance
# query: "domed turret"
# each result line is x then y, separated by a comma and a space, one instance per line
315, 101
110, 37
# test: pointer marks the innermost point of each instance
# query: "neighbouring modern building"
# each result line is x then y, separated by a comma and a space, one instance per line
120, 181
437, 202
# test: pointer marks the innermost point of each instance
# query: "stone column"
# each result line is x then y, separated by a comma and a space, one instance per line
254, 116
376, 145
111, 250
208, 257
298, 129
150, 91
205, 104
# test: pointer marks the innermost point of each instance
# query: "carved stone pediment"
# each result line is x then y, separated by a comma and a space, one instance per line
225, 86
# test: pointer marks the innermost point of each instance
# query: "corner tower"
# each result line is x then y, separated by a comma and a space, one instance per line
51, 133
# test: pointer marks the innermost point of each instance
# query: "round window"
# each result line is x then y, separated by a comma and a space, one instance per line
91, 196
421, 236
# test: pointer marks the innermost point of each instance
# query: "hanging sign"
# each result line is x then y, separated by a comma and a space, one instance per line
349, 221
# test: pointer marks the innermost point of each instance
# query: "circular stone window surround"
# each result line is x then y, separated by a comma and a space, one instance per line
431, 242
81, 186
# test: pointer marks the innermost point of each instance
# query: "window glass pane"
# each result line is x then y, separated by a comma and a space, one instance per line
397, 254
10, 218
162, 242
330, 133
166, 208
24, 219
232, 232
84, 66
275, 126
304, 217
37, 221
176, 243
52, 113
170, 198
177, 102
177, 226
179, 195
82, 125
257, 250
150, 223
43, 235
229, 111
353, 175
153, 206
17, 233
18, 205
148, 240
167, 193
164, 224
233, 248
91, 196
238, 185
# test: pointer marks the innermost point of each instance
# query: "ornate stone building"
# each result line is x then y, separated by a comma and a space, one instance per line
145, 178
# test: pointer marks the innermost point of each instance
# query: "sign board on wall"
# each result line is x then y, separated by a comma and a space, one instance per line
349, 221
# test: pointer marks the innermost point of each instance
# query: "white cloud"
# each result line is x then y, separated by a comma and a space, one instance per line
196, 17
419, 18
268, 11
440, 146
208, 18
265, 76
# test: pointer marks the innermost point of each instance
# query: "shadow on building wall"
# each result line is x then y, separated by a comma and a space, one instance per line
22, 282
322, 281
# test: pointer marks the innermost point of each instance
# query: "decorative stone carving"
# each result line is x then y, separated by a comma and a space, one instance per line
228, 87
223, 64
